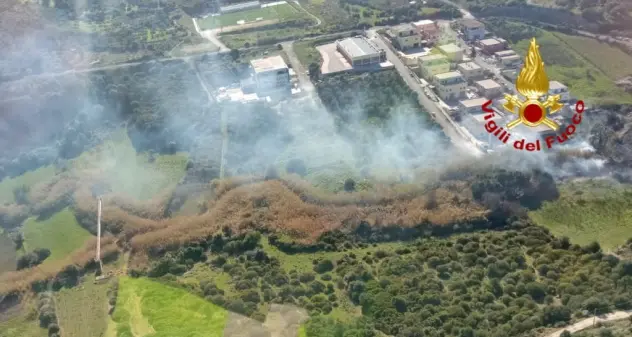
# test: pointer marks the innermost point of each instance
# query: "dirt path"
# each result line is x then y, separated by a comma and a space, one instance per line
588, 322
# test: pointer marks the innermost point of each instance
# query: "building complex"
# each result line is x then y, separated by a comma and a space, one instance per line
359, 51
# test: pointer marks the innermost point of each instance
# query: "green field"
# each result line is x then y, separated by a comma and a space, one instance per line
129, 172
145, 307
60, 233
586, 66
590, 211
282, 12
27, 179
24, 324
83, 311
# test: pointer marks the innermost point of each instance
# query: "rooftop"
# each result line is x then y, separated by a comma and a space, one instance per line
433, 57
488, 84
449, 48
470, 23
404, 27
480, 118
505, 53
268, 64
469, 66
470, 103
451, 74
510, 57
423, 23
556, 85
490, 42
358, 46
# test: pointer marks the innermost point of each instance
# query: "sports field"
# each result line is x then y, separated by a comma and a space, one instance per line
281, 12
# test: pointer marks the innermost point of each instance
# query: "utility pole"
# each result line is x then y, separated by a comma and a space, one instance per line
98, 257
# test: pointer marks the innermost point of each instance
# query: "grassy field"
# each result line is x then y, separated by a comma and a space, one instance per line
587, 74
23, 325
146, 307
83, 311
614, 62
27, 179
7, 254
60, 233
129, 172
282, 13
590, 211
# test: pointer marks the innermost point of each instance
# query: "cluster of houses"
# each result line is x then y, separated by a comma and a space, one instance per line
457, 76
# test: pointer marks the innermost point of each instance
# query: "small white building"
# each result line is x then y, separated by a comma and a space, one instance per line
557, 88
359, 51
504, 53
472, 29
451, 85
472, 106
510, 61
270, 74
489, 88
240, 7
470, 70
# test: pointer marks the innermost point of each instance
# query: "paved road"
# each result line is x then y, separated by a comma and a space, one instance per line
303, 78
440, 116
588, 322
211, 35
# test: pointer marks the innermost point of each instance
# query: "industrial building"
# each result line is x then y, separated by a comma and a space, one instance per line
471, 29
491, 46
452, 52
557, 88
239, 7
431, 65
428, 29
405, 36
489, 88
359, 51
470, 70
270, 74
472, 106
450, 85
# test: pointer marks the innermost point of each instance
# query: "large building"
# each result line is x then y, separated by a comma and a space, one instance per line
428, 29
239, 7
472, 29
557, 88
405, 36
470, 70
431, 65
359, 51
451, 85
491, 46
452, 52
270, 74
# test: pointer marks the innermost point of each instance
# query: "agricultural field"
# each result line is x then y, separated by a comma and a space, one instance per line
146, 307
83, 311
590, 211
27, 179
60, 233
138, 175
567, 59
278, 13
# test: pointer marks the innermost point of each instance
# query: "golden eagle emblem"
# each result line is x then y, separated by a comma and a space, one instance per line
532, 83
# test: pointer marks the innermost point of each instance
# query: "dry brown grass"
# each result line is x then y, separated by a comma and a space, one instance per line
21, 280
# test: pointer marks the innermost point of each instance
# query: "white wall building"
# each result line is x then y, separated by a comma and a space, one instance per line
240, 7
470, 70
489, 88
270, 74
451, 85
359, 51
557, 88
472, 106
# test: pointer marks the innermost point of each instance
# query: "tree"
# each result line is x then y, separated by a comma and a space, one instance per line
296, 166
314, 71
473, 53
565, 333
234, 54
349, 185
